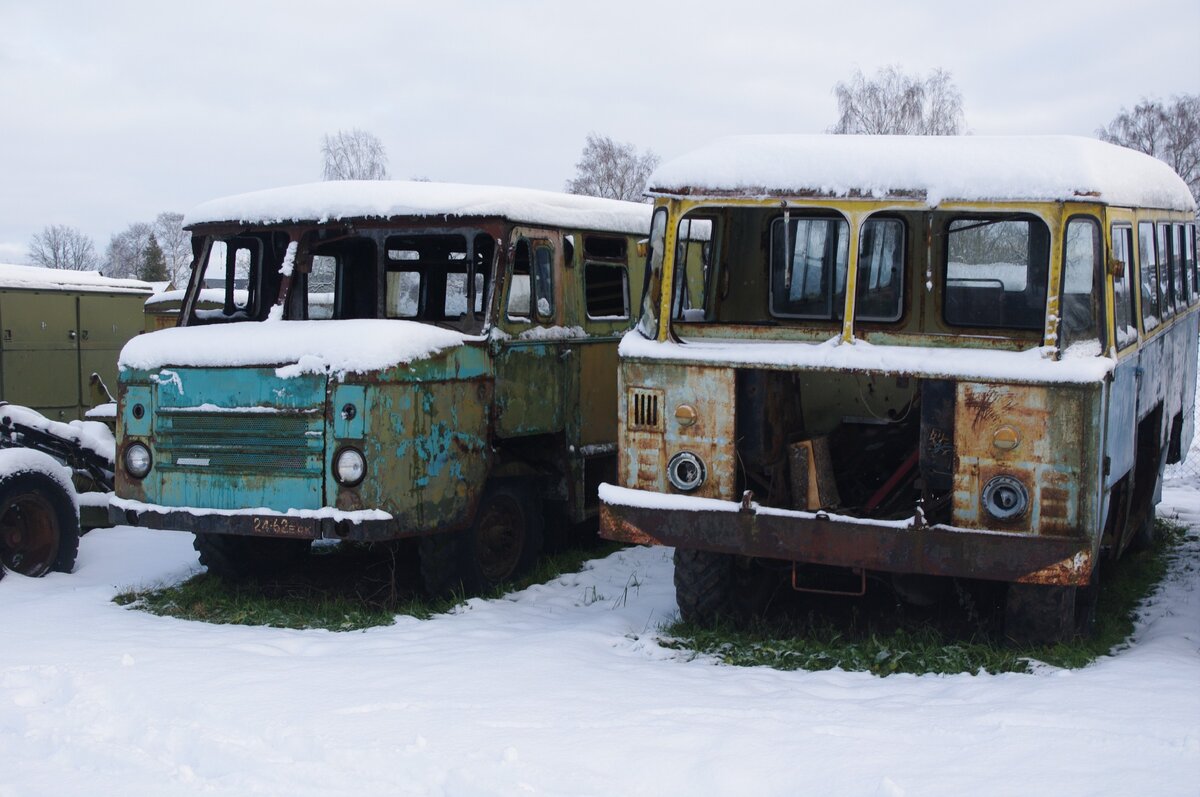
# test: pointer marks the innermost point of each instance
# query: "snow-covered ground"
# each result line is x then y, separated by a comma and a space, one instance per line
560, 689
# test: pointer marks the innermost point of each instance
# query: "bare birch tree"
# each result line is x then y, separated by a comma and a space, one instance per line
1169, 132
354, 155
895, 103
612, 169
126, 251
61, 246
176, 244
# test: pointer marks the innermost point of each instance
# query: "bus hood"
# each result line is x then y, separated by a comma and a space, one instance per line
292, 347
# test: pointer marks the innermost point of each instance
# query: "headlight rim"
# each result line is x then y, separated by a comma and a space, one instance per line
692, 458
137, 473
337, 466
1001, 515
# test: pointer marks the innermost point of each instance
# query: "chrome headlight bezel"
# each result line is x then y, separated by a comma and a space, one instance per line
137, 460
349, 466
1005, 498
686, 472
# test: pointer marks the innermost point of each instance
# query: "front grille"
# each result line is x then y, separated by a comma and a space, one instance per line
241, 442
644, 409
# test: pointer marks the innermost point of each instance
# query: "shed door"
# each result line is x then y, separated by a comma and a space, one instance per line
39, 354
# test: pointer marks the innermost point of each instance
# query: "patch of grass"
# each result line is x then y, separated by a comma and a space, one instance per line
347, 587
963, 633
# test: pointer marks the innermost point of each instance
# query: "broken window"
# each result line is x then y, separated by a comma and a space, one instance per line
1126, 319
880, 271
996, 272
809, 258
1148, 267
693, 268
1079, 309
606, 291
531, 286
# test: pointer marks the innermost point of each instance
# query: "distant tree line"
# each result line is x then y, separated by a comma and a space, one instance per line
891, 102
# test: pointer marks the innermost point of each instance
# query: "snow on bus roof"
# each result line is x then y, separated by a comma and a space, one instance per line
345, 199
58, 279
937, 168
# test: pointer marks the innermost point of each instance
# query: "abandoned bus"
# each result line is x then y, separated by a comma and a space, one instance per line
385, 359
904, 358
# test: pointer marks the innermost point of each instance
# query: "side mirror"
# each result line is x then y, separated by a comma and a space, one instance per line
1116, 267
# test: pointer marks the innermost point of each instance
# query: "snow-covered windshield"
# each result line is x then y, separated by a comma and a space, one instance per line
437, 276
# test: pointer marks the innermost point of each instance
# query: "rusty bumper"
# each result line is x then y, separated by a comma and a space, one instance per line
277, 526
851, 542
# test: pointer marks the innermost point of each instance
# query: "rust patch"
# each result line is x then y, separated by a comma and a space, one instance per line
988, 406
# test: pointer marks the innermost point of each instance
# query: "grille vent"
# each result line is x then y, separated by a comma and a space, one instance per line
645, 409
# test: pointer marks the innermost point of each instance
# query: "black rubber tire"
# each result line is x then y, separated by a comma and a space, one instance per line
39, 526
503, 541
235, 557
1146, 535
1040, 614
704, 586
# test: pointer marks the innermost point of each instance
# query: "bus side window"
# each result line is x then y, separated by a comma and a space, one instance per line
1148, 268
1166, 280
1189, 257
1081, 262
1183, 290
520, 287
1123, 312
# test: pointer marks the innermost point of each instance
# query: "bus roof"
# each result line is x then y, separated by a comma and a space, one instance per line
933, 169
58, 279
359, 199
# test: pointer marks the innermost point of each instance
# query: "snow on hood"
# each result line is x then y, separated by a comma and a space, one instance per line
942, 168
344, 199
297, 347
37, 278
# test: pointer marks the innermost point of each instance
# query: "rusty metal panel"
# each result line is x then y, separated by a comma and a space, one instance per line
597, 391
1045, 438
428, 450
694, 412
850, 542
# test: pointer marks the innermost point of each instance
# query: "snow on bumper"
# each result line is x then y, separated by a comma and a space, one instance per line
906, 546
311, 524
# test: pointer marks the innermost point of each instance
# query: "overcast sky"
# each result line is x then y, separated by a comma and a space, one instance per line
113, 112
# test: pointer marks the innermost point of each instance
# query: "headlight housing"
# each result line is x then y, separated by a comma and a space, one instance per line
686, 471
137, 460
1005, 497
349, 466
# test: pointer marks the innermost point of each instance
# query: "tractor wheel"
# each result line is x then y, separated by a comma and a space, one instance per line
503, 541
1039, 614
39, 528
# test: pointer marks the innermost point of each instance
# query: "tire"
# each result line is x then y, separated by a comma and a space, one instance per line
39, 527
1039, 614
502, 542
235, 557
704, 586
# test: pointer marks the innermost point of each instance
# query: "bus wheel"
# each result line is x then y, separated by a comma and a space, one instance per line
502, 542
1039, 614
39, 530
704, 585
236, 557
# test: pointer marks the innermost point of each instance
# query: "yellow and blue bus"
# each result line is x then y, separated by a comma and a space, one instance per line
912, 357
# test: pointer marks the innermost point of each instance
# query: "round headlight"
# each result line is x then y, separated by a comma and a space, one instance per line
349, 466
137, 460
1005, 498
685, 471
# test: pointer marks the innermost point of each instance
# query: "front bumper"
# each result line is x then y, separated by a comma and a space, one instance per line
369, 526
645, 518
